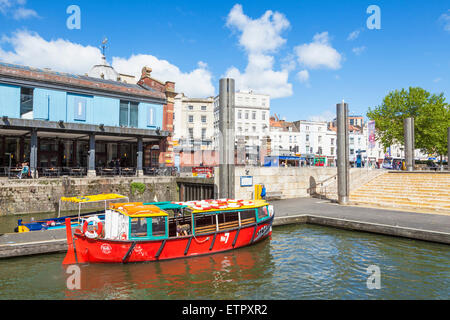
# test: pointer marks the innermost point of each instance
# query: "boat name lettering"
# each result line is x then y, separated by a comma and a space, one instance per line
106, 248
262, 232
225, 238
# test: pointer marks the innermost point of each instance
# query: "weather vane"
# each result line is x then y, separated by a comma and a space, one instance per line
104, 46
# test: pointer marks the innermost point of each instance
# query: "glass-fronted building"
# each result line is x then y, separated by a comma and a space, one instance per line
57, 120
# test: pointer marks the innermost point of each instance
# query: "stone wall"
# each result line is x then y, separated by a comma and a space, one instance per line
42, 195
290, 182
299, 182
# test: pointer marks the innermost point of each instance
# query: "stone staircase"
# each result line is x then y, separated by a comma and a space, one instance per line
423, 192
327, 189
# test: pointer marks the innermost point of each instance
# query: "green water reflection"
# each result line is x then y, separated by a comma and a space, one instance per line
299, 262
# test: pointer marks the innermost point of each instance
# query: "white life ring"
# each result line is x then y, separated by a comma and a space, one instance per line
98, 227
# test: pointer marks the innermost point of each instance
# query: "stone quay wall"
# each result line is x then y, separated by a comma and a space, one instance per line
42, 195
298, 182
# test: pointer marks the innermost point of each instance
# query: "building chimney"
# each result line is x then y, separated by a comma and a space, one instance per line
146, 72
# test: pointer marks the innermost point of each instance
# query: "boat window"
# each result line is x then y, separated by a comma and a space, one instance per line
228, 220
247, 214
248, 217
262, 213
228, 217
158, 226
139, 227
204, 220
205, 224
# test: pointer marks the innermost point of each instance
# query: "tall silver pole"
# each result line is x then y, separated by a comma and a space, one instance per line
342, 152
140, 157
408, 132
448, 149
226, 138
91, 158
33, 153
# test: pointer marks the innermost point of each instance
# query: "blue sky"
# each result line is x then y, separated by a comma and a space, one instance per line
301, 51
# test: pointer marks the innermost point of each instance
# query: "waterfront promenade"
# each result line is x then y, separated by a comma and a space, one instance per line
413, 225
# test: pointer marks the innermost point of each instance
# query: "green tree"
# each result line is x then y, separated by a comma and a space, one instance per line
431, 119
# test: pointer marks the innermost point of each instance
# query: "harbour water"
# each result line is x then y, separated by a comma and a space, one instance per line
299, 262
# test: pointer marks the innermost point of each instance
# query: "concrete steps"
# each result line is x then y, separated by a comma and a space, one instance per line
410, 191
404, 193
358, 177
388, 197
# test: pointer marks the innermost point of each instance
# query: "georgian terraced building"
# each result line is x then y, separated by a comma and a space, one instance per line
59, 120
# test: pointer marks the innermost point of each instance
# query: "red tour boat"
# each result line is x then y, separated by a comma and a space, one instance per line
138, 232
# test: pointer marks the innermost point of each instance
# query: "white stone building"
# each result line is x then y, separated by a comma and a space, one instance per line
314, 137
252, 122
193, 123
284, 138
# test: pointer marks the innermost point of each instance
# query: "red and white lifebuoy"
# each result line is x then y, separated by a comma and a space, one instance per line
123, 236
98, 228
206, 207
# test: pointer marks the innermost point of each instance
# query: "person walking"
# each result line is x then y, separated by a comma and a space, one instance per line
263, 192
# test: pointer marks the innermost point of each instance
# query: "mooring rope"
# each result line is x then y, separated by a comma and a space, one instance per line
200, 242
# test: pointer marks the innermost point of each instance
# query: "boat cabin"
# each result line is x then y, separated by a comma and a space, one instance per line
156, 221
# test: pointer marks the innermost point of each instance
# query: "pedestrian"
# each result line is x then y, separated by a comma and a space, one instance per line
25, 170
263, 192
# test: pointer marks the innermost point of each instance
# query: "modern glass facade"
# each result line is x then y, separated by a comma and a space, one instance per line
69, 121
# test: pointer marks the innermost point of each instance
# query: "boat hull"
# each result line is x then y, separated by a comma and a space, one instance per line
111, 251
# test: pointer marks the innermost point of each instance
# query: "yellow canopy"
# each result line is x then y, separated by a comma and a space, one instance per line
138, 210
93, 198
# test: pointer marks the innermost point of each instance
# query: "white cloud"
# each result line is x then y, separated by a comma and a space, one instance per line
359, 50
259, 35
259, 38
354, 35
197, 83
445, 20
23, 13
303, 76
267, 81
16, 9
5, 5
319, 53
30, 49
324, 116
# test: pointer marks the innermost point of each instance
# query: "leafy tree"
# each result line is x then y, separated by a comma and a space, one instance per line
431, 119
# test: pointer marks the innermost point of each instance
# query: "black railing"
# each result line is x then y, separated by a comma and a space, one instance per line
164, 171
56, 172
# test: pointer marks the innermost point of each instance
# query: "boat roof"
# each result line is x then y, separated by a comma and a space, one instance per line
214, 206
167, 205
93, 198
138, 210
